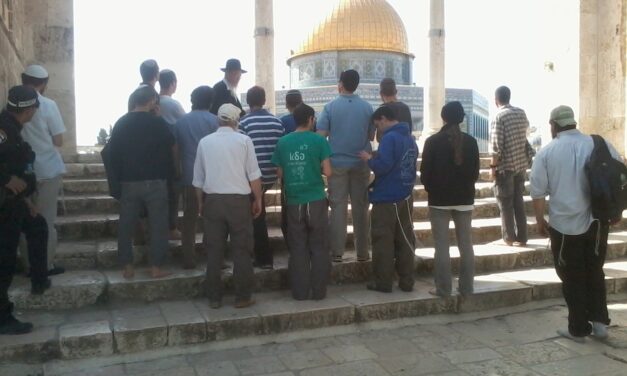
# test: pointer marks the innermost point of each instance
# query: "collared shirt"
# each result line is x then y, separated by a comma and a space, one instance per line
265, 130
558, 171
225, 163
189, 130
46, 123
347, 119
509, 138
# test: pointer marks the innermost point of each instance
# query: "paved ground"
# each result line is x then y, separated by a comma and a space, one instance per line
509, 342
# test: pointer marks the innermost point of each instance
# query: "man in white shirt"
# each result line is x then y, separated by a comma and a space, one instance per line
225, 173
578, 241
45, 134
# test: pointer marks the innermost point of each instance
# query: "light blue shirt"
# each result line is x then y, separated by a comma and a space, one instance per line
189, 130
348, 121
558, 171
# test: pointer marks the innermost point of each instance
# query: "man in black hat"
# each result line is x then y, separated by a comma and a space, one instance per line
17, 212
225, 91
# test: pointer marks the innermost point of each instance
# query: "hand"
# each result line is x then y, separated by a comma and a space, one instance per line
256, 208
16, 185
543, 228
364, 155
32, 209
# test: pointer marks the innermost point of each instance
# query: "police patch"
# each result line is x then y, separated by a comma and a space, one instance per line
3, 136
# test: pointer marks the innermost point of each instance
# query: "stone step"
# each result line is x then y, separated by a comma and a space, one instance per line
90, 157
90, 165
81, 288
99, 204
99, 226
124, 329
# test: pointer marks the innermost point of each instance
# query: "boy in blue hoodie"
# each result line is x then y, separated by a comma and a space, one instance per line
392, 229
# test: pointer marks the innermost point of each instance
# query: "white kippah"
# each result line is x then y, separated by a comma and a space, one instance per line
36, 71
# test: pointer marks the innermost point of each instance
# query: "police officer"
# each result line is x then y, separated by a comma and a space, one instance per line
17, 212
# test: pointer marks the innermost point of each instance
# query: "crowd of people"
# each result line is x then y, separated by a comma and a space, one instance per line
221, 160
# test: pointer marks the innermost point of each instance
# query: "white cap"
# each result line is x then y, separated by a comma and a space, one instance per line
229, 112
36, 71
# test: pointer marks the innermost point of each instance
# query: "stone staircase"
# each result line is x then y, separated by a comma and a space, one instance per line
92, 311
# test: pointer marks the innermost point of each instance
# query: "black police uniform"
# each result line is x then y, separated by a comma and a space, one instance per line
16, 159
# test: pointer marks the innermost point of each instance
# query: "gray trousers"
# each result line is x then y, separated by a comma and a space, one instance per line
229, 215
353, 182
308, 243
509, 188
440, 219
46, 199
393, 244
152, 195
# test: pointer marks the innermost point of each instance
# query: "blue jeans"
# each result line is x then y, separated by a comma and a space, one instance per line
153, 195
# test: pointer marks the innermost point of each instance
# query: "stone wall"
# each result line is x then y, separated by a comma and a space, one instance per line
603, 64
15, 46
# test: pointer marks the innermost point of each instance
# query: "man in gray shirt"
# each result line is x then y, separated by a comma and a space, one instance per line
578, 241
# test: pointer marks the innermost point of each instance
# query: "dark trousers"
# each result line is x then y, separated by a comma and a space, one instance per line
190, 219
15, 220
152, 195
226, 215
393, 244
308, 243
174, 192
509, 189
262, 251
579, 263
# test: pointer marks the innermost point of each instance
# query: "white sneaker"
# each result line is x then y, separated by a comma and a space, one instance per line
599, 330
566, 334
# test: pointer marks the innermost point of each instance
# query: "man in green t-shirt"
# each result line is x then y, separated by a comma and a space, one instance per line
303, 157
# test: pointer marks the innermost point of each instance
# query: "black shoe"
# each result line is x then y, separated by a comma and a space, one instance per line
406, 288
56, 270
38, 288
11, 325
374, 287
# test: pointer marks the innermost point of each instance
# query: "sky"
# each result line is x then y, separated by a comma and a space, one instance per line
488, 43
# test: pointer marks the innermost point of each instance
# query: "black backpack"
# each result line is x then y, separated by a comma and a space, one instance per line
608, 183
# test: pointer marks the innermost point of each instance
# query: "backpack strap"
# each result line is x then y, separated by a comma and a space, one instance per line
601, 147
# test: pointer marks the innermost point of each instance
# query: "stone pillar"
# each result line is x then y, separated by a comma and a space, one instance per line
53, 47
264, 50
435, 88
602, 66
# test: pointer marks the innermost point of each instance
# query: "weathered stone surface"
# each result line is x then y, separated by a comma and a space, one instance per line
582, 366
367, 367
536, 353
281, 313
77, 255
86, 340
185, 323
180, 284
371, 305
305, 359
260, 365
218, 368
73, 289
39, 345
494, 291
497, 367
228, 322
348, 353
545, 282
172, 364
139, 329
415, 364
472, 355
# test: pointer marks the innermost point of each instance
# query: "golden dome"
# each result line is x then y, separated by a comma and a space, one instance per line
358, 25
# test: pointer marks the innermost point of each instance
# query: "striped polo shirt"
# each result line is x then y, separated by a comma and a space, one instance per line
265, 130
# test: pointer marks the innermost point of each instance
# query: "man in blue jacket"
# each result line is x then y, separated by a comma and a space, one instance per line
392, 229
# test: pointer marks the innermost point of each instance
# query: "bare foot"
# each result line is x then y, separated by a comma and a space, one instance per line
158, 273
175, 234
128, 272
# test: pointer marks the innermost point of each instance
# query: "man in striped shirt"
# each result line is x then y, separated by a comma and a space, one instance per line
265, 130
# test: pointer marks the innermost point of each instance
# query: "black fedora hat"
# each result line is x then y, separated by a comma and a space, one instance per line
231, 65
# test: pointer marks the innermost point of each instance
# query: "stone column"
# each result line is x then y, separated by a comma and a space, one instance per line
435, 88
264, 50
602, 67
53, 47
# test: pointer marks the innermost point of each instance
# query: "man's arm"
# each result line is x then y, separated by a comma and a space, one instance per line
199, 194
539, 206
323, 124
57, 140
326, 168
255, 186
539, 189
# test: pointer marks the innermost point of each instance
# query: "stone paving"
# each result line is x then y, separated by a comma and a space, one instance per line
506, 342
